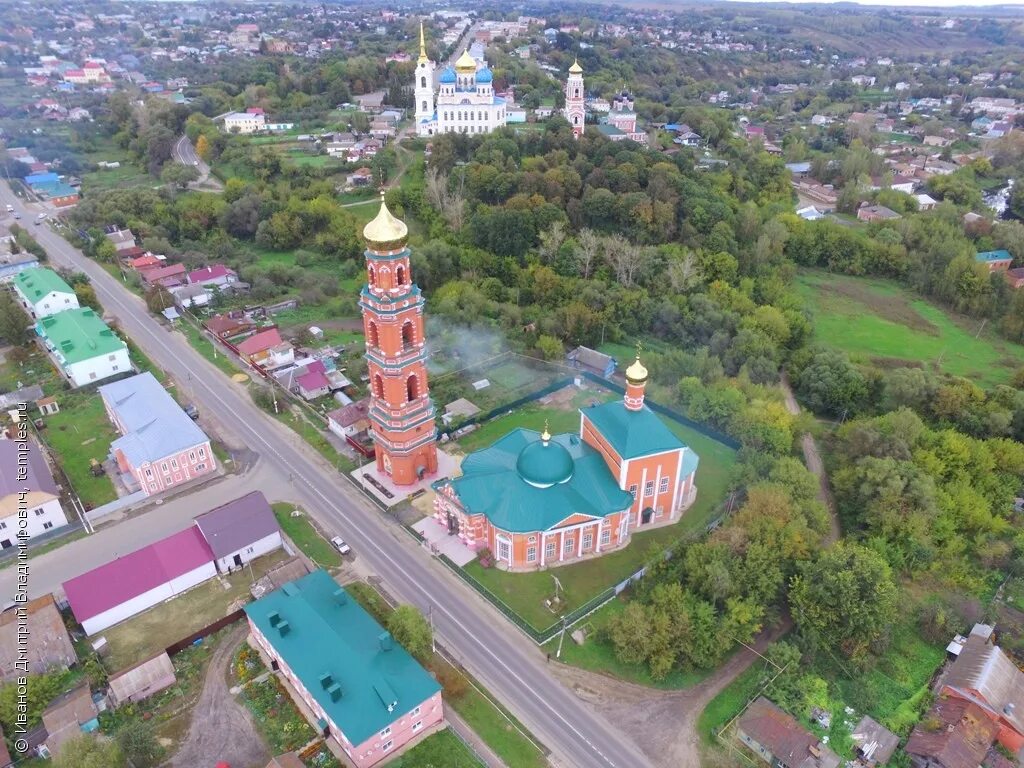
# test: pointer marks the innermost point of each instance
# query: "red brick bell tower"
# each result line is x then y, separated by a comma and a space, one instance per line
401, 411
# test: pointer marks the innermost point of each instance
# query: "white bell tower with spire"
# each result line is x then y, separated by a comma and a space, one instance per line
574, 111
424, 91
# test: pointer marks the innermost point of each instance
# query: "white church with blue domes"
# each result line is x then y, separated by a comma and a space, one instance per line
464, 101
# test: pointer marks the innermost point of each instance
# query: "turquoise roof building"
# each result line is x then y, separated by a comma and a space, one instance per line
361, 684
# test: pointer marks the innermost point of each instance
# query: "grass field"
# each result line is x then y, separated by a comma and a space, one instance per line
526, 592
150, 632
80, 431
306, 537
878, 321
442, 749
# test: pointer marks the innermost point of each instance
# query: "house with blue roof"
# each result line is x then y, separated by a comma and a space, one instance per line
160, 446
537, 500
996, 261
363, 689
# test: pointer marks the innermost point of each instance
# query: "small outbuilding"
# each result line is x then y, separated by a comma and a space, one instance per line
240, 531
142, 681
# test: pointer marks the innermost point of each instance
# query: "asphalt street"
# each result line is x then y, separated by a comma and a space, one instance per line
503, 659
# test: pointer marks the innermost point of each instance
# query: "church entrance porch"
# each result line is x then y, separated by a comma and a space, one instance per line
440, 542
381, 487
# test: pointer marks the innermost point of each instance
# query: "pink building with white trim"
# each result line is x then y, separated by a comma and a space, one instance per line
160, 446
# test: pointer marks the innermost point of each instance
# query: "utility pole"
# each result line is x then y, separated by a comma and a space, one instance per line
561, 637
430, 619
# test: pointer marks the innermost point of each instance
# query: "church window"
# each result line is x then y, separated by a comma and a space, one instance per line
632, 490
588, 541
568, 547
400, 275
412, 388
372, 335
575, 119
663, 486
549, 549
606, 536
423, 82
649, 488
408, 335
531, 554
576, 93
502, 549
424, 106
378, 385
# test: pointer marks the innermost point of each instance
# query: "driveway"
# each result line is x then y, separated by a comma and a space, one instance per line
221, 728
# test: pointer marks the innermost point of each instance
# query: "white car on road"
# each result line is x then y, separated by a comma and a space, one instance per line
339, 544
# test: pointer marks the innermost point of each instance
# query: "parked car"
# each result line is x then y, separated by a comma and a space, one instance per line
10, 208
339, 544
192, 411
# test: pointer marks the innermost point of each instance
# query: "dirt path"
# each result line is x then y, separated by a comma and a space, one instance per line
663, 723
221, 727
812, 459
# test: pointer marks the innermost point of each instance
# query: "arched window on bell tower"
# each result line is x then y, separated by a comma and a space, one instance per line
423, 84
408, 335
399, 276
373, 336
412, 388
372, 276
378, 385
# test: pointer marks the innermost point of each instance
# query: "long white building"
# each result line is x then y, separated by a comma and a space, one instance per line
464, 101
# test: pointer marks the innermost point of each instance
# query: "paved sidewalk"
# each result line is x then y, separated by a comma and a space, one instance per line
467, 734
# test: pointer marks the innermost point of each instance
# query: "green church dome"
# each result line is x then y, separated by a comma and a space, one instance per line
545, 463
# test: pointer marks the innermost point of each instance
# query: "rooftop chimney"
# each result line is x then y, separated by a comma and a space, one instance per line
341, 596
386, 641
284, 627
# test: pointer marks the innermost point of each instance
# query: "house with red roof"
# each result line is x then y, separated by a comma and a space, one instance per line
129, 585
144, 262
267, 349
213, 275
226, 327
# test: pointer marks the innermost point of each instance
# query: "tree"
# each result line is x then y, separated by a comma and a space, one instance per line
138, 743
86, 295
90, 751
105, 251
846, 599
41, 690
410, 628
158, 299
550, 347
832, 384
588, 248
14, 323
178, 175
203, 147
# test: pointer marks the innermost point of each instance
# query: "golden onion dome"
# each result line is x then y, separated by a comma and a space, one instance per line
466, 64
385, 231
575, 69
636, 373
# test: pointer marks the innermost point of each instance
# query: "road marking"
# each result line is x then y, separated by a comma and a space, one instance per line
144, 324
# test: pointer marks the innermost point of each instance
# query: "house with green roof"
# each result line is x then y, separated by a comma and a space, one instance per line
537, 500
356, 684
82, 347
42, 292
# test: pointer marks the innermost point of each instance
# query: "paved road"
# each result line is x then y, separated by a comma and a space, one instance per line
53, 568
184, 153
491, 649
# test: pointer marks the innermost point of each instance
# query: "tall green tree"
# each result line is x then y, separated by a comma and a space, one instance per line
90, 751
410, 628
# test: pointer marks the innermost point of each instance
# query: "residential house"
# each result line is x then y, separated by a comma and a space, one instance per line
460, 408
225, 327
936, 141
142, 681
586, 359
240, 531
160, 446
69, 716
809, 213
873, 743
953, 734
868, 212
350, 420
49, 647
42, 292
996, 261
780, 740
123, 239
926, 202
48, 186
214, 275
27, 491
363, 689
267, 350
983, 675
11, 263
146, 261
83, 348
313, 383
191, 296
167, 276
1015, 277
133, 583
360, 177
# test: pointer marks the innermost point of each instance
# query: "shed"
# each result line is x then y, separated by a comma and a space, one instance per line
240, 530
875, 744
142, 681
459, 409
586, 359
68, 716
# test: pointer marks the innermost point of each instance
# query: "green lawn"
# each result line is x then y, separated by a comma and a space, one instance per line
104, 180
302, 533
444, 750
200, 341
730, 701
878, 321
526, 592
78, 433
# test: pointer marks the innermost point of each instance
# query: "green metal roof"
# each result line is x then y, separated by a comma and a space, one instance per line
37, 283
508, 482
79, 334
632, 433
336, 649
